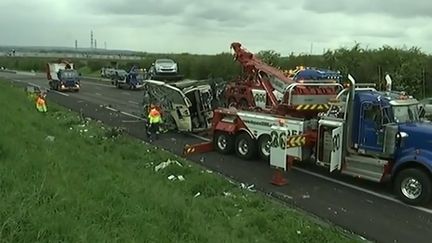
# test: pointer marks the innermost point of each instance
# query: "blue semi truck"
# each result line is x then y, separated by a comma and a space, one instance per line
62, 76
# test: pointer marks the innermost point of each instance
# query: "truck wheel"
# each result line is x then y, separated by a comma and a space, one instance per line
413, 186
223, 142
264, 147
245, 147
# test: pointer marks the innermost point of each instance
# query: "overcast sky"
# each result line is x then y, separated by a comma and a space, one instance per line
204, 26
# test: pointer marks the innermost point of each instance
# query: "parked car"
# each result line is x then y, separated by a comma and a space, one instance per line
426, 105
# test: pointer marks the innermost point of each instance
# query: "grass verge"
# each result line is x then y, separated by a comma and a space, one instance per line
68, 179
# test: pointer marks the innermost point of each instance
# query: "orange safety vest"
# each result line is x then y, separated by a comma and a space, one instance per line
40, 101
154, 116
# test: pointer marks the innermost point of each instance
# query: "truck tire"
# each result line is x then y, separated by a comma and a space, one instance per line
223, 142
245, 146
264, 147
413, 186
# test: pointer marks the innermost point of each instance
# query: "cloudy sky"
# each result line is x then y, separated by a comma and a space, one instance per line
204, 26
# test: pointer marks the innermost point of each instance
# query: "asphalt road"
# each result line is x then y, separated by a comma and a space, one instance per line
365, 208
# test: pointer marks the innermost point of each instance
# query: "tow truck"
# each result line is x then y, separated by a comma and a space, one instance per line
364, 133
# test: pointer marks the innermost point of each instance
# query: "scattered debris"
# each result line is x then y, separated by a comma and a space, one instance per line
50, 138
249, 188
171, 177
306, 196
181, 178
298, 232
209, 171
165, 164
198, 194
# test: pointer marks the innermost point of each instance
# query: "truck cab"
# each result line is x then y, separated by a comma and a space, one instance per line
186, 105
379, 136
62, 76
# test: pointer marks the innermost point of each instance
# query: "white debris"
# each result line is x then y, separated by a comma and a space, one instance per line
305, 196
198, 194
50, 138
165, 164
172, 177
298, 232
209, 171
85, 130
181, 178
249, 188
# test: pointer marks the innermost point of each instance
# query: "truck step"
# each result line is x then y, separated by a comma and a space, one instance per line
364, 167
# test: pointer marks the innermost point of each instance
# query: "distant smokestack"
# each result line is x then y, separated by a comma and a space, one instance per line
76, 44
95, 46
91, 39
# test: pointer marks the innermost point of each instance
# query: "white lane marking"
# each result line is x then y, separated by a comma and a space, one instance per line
126, 93
131, 115
98, 94
60, 93
133, 102
111, 109
34, 84
426, 210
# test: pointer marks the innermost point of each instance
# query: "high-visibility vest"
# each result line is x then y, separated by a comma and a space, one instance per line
154, 116
40, 104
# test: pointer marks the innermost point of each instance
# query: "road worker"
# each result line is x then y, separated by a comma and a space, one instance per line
41, 102
154, 121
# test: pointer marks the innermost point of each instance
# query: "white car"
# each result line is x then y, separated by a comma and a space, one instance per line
426, 104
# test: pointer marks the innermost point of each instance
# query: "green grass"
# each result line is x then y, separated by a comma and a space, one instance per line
86, 183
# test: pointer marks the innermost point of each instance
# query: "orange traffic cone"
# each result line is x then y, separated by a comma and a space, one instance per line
278, 178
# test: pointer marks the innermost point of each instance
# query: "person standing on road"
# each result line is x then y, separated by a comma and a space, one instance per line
41, 102
154, 120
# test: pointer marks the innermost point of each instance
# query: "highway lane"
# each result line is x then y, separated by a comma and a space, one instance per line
102, 93
351, 206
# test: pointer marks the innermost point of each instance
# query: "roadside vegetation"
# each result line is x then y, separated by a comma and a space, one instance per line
65, 178
410, 68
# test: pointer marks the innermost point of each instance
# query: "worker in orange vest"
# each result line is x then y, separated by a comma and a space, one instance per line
154, 121
41, 102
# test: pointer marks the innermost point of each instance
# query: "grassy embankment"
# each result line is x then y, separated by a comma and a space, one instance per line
66, 180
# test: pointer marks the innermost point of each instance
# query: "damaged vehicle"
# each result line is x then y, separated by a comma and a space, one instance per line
187, 106
132, 80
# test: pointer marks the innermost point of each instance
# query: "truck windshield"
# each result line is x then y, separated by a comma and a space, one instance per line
69, 74
405, 113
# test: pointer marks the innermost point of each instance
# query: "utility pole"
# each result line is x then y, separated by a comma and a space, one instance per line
76, 44
95, 44
311, 48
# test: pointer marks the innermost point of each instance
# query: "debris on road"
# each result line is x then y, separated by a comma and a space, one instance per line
165, 164
306, 196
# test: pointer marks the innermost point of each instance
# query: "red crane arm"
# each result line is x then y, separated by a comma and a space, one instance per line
253, 65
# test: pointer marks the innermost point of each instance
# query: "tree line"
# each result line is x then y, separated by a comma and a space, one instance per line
410, 68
